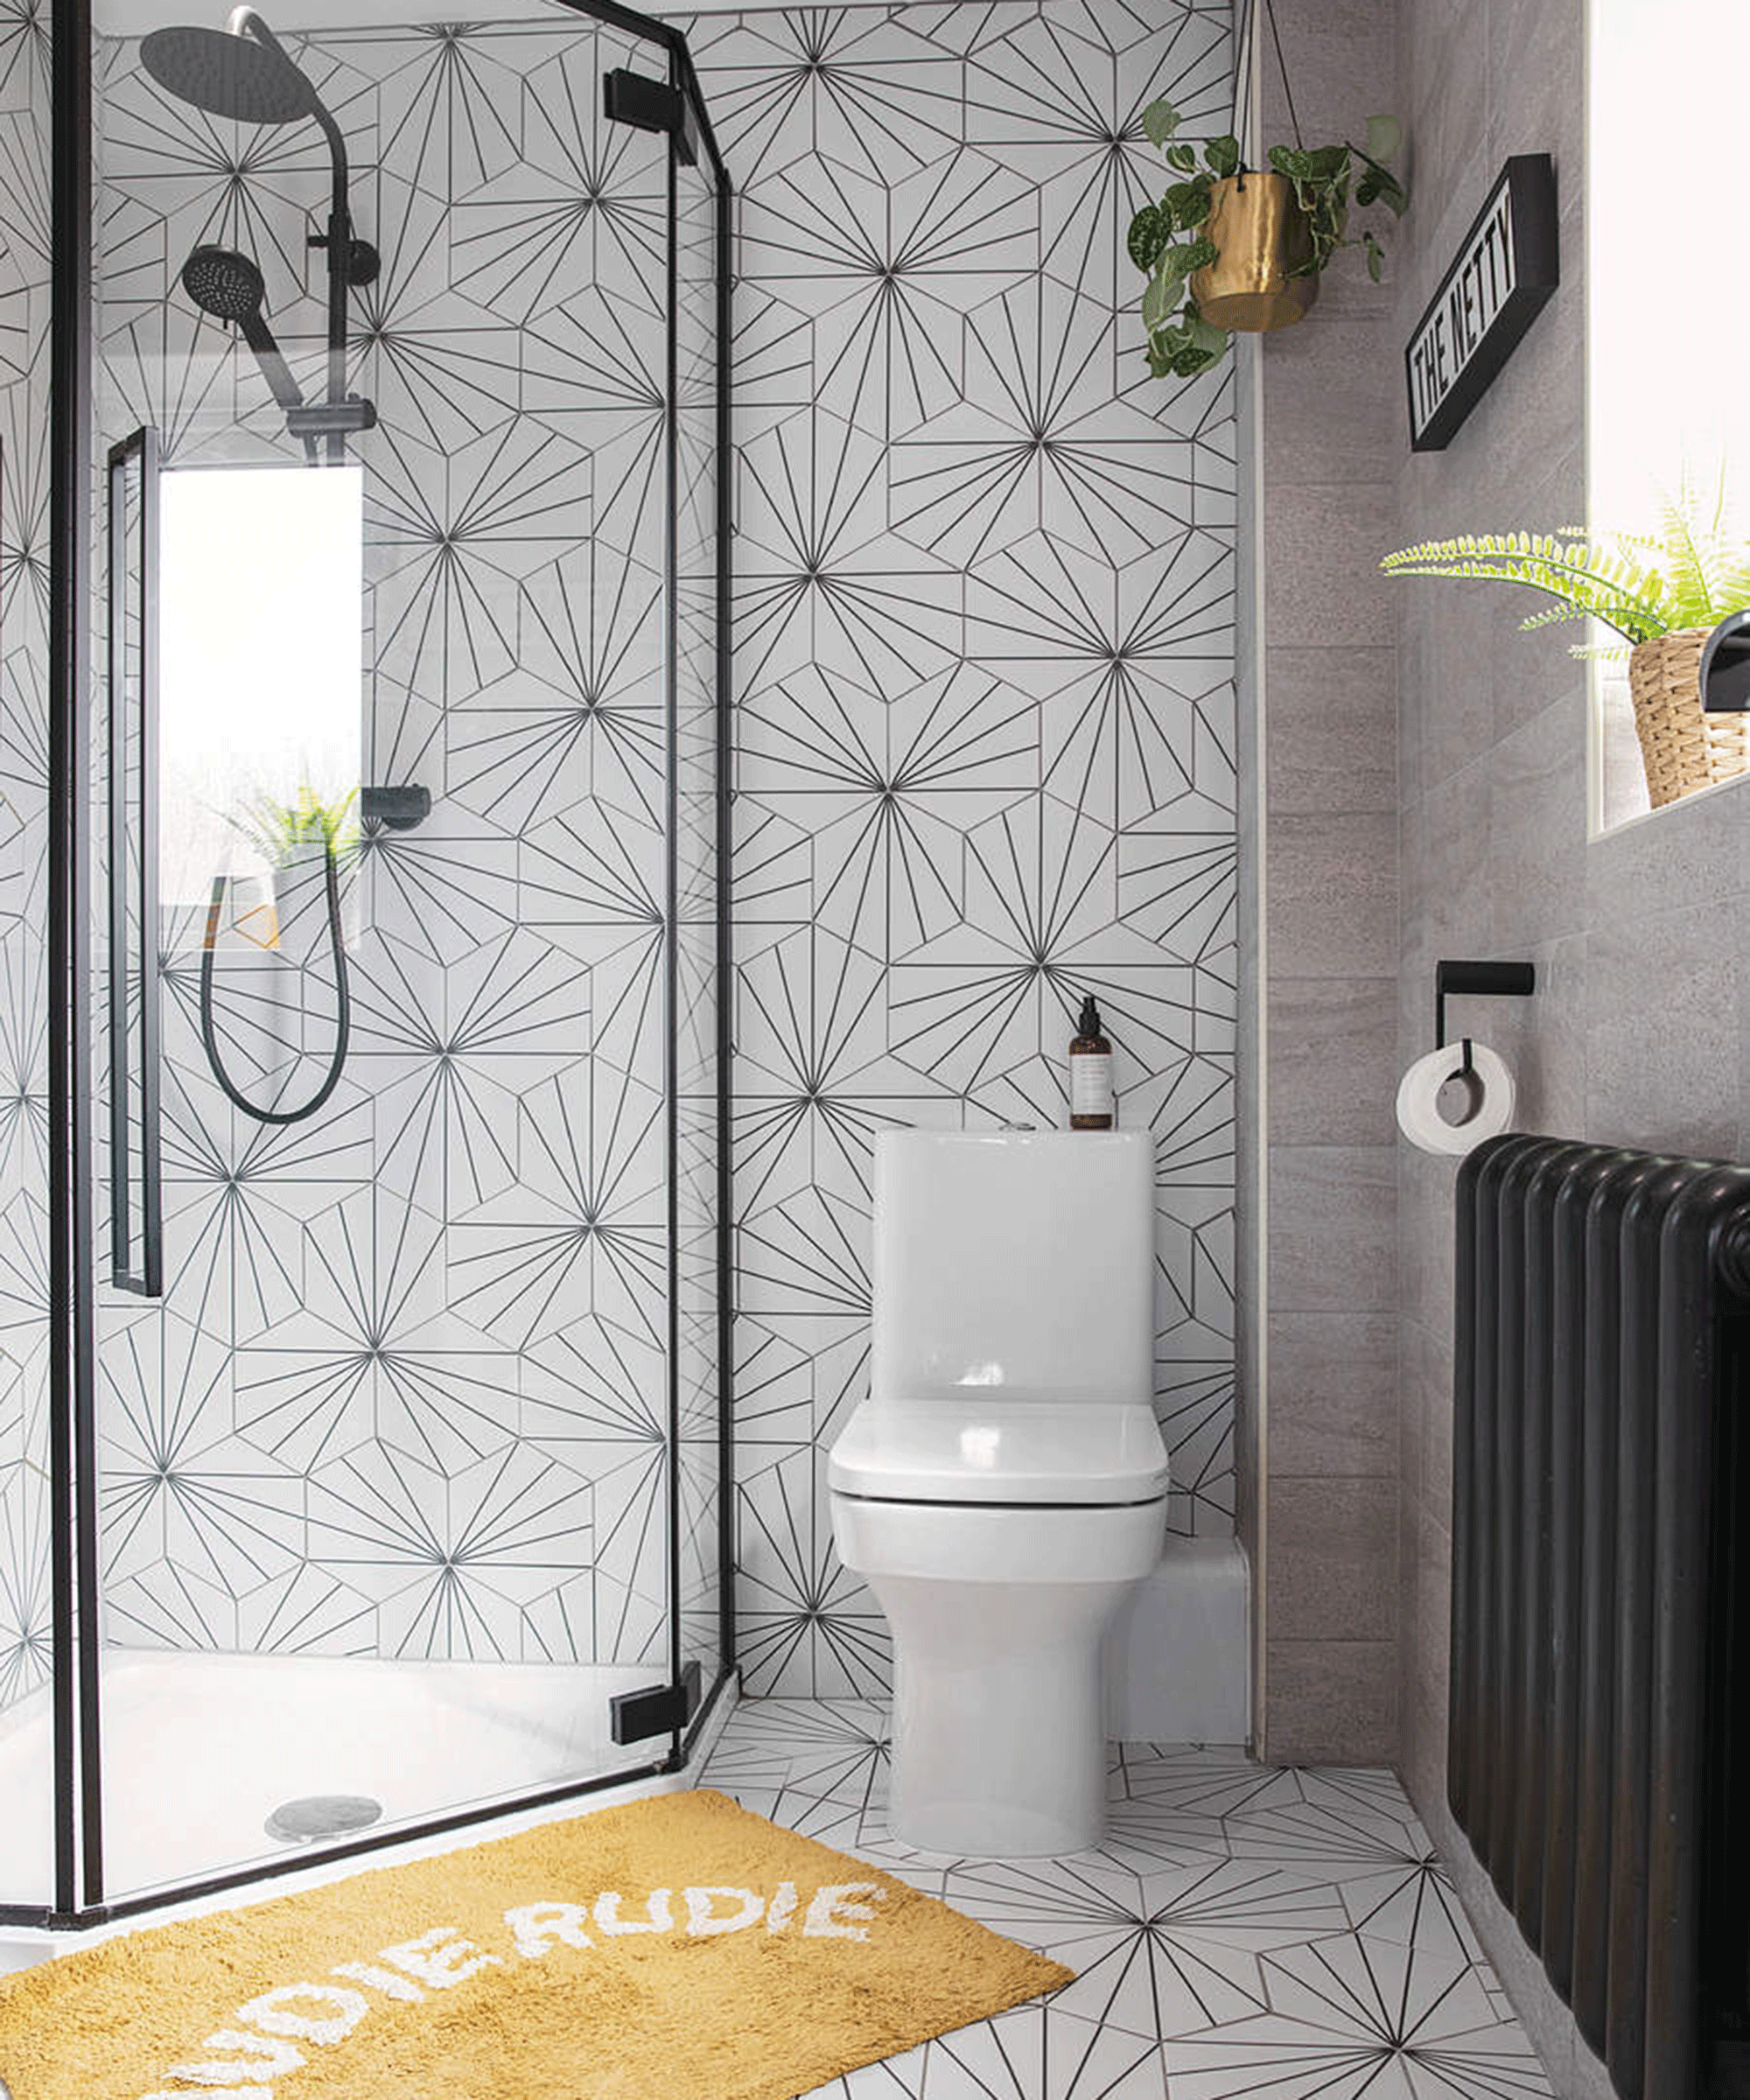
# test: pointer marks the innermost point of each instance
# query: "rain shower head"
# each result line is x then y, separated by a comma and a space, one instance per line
228, 74
245, 73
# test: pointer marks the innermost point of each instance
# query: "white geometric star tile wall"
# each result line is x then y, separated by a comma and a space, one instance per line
984, 676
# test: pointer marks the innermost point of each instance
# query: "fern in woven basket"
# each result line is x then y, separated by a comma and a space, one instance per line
1690, 573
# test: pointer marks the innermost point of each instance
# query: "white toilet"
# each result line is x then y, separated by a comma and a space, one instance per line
1005, 1485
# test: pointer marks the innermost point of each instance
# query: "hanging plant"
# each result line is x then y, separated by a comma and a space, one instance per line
1230, 248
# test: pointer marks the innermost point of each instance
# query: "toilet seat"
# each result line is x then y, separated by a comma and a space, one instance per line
1024, 1547
1095, 1454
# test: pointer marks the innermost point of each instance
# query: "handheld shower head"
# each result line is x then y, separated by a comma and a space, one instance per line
224, 283
230, 288
229, 76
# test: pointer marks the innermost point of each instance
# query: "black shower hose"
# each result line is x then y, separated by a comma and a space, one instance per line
343, 1004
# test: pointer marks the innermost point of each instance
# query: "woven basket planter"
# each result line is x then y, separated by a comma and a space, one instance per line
1681, 747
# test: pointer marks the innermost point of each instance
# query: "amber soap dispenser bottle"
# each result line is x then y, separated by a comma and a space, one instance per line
1090, 1073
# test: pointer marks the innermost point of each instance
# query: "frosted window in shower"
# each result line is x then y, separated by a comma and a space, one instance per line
261, 664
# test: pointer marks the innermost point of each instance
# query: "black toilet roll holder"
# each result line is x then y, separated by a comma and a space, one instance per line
1510, 980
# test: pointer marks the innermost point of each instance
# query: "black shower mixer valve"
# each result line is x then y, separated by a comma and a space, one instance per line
364, 264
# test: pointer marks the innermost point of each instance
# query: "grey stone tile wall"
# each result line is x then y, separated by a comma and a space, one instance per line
1326, 1551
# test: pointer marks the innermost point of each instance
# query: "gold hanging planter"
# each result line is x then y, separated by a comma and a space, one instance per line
1263, 238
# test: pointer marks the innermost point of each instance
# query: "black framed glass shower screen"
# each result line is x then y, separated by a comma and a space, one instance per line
514, 1438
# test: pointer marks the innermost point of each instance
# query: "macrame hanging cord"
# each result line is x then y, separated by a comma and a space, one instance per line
1244, 58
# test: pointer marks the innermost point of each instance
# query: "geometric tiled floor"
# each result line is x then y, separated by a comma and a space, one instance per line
1243, 1930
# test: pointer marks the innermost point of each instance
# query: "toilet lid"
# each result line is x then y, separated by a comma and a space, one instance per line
935, 1451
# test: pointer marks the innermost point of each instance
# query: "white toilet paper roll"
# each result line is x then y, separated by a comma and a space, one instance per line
1421, 1121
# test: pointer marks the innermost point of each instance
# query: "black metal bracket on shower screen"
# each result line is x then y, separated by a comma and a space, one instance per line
647, 105
634, 1716
1508, 980
401, 807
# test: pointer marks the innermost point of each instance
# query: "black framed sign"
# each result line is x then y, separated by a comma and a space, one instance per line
1507, 266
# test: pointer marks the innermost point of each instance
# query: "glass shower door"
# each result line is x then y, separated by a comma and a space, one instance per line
387, 1463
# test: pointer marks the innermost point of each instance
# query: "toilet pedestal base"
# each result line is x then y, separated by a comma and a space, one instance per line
998, 1615
999, 1746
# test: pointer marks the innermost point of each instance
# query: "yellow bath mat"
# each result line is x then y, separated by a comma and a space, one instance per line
677, 1948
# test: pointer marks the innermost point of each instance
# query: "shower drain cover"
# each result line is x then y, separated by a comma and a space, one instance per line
322, 1816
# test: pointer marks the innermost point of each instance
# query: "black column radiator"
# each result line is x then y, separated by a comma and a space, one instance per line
1599, 1754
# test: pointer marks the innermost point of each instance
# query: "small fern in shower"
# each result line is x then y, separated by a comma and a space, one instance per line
1690, 573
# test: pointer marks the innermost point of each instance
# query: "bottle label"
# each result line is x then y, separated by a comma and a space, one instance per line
1090, 1084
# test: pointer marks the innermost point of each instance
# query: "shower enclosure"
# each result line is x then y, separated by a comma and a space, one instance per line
363, 606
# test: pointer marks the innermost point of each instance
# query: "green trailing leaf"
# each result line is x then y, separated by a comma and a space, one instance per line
1224, 154
1159, 357
1175, 265
1188, 202
1160, 121
1161, 298
1384, 138
1375, 257
1327, 214
1184, 159
1189, 347
1380, 185
1392, 193
1194, 358
1150, 230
